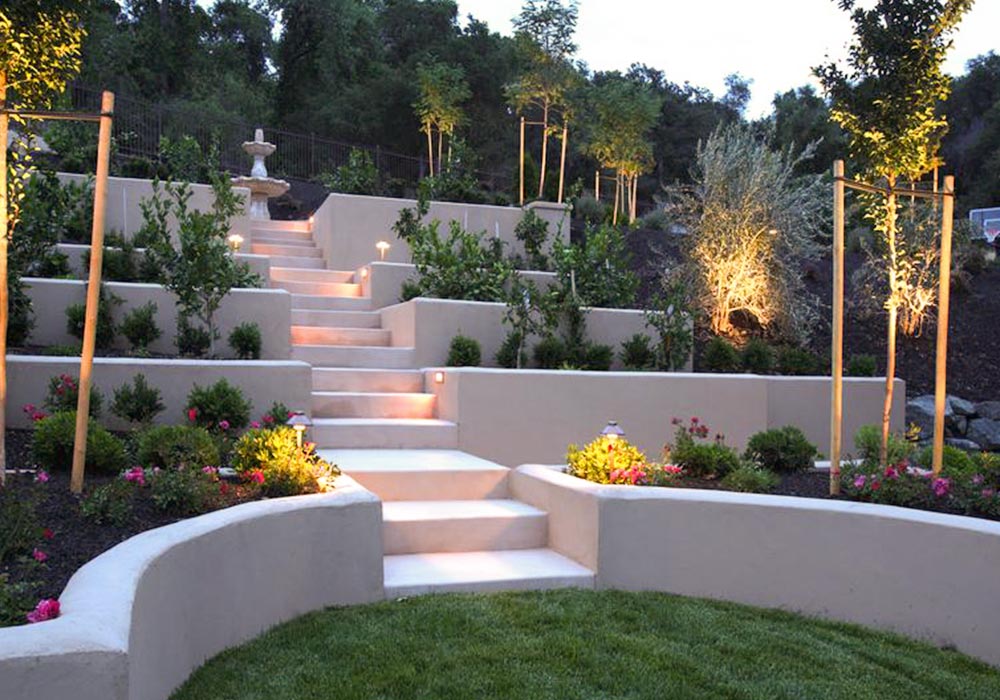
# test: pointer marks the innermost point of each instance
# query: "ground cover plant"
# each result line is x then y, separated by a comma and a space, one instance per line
582, 644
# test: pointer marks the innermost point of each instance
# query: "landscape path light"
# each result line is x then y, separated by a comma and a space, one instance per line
612, 432
235, 242
383, 248
300, 422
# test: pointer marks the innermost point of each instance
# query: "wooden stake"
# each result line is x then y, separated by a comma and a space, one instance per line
545, 151
93, 292
597, 185
521, 161
944, 294
430, 150
837, 349
562, 160
4, 296
618, 189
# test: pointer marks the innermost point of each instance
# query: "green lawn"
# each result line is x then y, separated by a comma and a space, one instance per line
579, 644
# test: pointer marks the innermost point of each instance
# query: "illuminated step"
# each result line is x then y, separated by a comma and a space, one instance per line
384, 433
336, 319
322, 335
412, 527
314, 302
285, 250
352, 404
333, 289
297, 274
354, 356
369, 380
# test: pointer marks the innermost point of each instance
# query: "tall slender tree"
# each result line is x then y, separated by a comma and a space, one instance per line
887, 100
443, 90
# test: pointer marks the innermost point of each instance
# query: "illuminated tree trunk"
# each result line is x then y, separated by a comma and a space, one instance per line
440, 150
430, 149
893, 308
562, 160
4, 296
618, 189
545, 148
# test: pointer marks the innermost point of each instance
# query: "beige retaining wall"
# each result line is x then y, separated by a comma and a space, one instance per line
261, 264
430, 324
347, 227
926, 575
531, 415
124, 215
262, 382
139, 619
270, 309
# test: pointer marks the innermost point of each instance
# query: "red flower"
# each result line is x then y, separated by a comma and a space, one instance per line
48, 534
47, 609
257, 476
223, 488
192, 414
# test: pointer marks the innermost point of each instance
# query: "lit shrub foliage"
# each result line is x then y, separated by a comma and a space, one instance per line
245, 341
137, 402
64, 392
699, 456
284, 468
220, 408
783, 449
177, 446
604, 461
53, 445
464, 352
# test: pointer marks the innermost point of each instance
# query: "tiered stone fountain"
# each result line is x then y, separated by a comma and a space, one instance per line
260, 185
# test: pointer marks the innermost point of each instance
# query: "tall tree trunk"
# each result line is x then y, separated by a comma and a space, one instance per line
893, 308
618, 189
440, 150
545, 148
4, 292
562, 159
430, 150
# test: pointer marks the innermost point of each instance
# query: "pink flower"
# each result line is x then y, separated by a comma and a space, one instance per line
615, 473
47, 609
291, 413
941, 487
38, 555
192, 414
48, 534
254, 424
988, 493
891, 472
268, 419
859, 481
28, 408
978, 479
257, 476
876, 484
208, 470
223, 488
136, 475
42, 477
224, 425
694, 420
38, 415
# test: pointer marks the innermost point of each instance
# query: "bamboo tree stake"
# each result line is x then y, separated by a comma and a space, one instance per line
837, 350
521, 161
944, 294
618, 187
545, 151
893, 309
430, 150
562, 160
4, 296
93, 292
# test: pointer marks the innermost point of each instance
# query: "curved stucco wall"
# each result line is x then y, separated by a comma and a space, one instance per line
926, 575
137, 620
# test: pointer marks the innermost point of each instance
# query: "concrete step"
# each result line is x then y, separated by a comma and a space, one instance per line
336, 319
321, 335
297, 251
482, 572
314, 302
384, 433
280, 225
351, 404
316, 263
422, 474
372, 380
298, 274
332, 289
413, 527
281, 234
287, 241
354, 356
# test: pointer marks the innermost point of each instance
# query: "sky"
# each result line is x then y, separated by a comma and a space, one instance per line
775, 43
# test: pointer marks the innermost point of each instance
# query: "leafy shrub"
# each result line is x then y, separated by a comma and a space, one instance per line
64, 392
533, 232
656, 219
53, 445
757, 357
76, 315
118, 264
861, 366
590, 210
601, 267
184, 490
794, 361
16, 600
507, 354
19, 528
287, 469
219, 408
138, 402
358, 176
275, 416
598, 357
139, 327
464, 352
191, 341
955, 462
637, 353
670, 316
245, 341
177, 446
720, 356
601, 461
550, 352
109, 503
698, 458
868, 441
750, 478
783, 449
61, 351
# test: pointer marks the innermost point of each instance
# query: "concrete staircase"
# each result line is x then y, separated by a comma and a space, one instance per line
365, 392
449, 525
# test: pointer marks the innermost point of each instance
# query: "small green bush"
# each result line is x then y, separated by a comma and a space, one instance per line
61, 351
701, 459
750, 478
757, 357
597, 462
276, 416
287, 469
533, 232
590, 210
53, 445
861, 366
799, 362
720, 356
175, 446
637, 353
955, 462
464, 352
19, 528
597, 357
16, 600
191, 341
106, 330
139, 327
219, 408
109, 503
550, 352
184, 490
507, 354
137, 402
64, 392
783, 449
245, 341
868, 441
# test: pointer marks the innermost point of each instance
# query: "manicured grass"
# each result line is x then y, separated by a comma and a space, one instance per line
579, 644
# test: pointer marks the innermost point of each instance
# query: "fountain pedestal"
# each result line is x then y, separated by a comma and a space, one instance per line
260, 185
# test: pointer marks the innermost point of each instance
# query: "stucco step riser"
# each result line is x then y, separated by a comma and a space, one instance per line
307, 302
333, 289
346, 356
435, 485
298, 262
465, 534
336, 319
278, 225
293, 274
382, 382
320, 335
357, 405
291, 235
286, 250
284, 240
393, 437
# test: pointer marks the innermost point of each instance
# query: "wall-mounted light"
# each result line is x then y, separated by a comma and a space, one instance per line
311, 219
235, 242
364, 273
300, 422
383, 248
439, 377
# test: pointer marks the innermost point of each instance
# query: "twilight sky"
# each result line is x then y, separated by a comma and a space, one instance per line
773, 42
